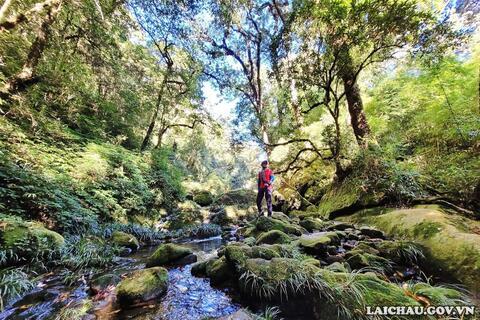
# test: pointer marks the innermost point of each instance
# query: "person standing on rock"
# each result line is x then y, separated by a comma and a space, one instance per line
265, 188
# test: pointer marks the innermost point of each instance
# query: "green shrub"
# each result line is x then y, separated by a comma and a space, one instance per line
166, 175
13, 284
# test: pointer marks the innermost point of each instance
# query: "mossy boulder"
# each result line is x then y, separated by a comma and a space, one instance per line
301, 214
340, 226
273, 236
28, 239
358, 259
102, 282
312, 224
203, 198
267, 224
250, 241
218, 270
317, 243
168, 253
237, 254
281, 216
142, 285
126, 240
199, 269
265, 252
451, 243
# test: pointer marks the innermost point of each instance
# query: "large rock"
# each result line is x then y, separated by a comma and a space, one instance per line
451, 242
312, 224
218, 271
273, 236
126, 240
168, 253
28, 239
267, 224
317, 243
142, 285
265, 252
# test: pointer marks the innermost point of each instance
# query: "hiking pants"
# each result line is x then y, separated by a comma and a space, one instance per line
267, 193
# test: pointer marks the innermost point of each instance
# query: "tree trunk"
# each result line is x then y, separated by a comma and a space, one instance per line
358, 118
339, 171
161, 133
265, 140
26, 76
158, 104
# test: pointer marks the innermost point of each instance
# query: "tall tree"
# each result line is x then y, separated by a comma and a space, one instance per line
236, 46
364, 32
163, 22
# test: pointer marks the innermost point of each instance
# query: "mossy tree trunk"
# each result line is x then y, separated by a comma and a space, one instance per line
358, 119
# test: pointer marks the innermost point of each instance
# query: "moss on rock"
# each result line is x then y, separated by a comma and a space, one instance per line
199, 269
302, 214
267, 224
203, 198
273, 236
218, 270
358, 259
28, 239
265, 252
312, 224
126, 240
237, 254
142, 285
167, 254
316, 243
448, 248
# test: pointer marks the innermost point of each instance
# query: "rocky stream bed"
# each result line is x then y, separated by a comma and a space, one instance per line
307, 267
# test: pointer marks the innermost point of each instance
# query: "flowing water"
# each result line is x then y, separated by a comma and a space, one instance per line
187, 298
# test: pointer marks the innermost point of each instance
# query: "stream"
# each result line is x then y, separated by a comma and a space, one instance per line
187, 297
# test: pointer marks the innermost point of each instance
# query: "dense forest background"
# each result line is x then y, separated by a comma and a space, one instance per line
104, 124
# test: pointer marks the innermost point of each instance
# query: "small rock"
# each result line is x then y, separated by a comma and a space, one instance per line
352, 236
332, 250
182, 289
191, 258
335, 258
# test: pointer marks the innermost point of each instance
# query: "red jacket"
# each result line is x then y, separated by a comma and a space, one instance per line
265, 179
